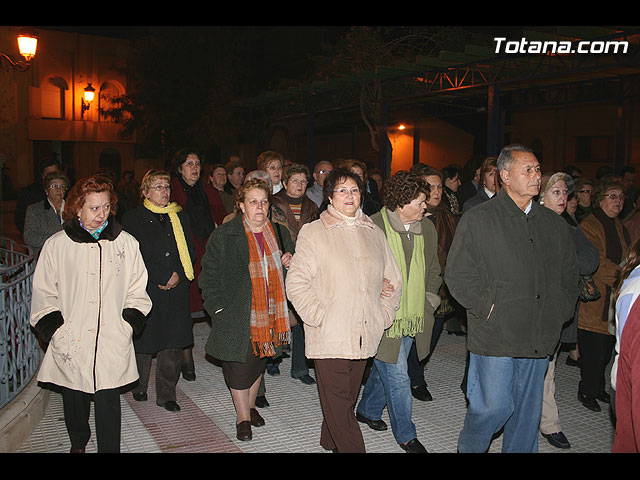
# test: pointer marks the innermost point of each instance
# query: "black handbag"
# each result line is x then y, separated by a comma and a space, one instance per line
588, 290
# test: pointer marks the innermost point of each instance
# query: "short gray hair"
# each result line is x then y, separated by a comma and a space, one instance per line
317, 166
49, 178
261, 174
505, 159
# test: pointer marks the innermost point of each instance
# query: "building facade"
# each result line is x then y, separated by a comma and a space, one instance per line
43, 111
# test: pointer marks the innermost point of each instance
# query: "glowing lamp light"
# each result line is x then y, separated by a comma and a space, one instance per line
89, 93
27, 44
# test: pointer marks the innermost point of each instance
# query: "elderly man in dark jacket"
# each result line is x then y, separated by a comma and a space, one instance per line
513, 266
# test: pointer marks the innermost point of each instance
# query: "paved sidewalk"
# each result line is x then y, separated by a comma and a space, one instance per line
206, 423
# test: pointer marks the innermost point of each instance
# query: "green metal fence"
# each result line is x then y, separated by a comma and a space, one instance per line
19, 348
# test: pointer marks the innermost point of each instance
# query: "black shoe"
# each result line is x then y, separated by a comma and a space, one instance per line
557, 439
140, 396
256, 418
273, 369
306, 379
374, 424
189, 376
573, 363
243, 431
261, 401
413, 446
590, 403
604, 397
170, 405
457, 333
421, 393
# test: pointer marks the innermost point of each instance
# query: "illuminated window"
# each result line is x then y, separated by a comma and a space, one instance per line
52, 96
108, 92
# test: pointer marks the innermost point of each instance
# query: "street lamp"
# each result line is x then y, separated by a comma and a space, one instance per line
27, 44
89, 93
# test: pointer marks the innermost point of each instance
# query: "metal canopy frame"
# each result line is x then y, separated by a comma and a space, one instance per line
455, 84
452, 76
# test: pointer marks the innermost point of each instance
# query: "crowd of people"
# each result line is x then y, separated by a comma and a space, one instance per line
349, 273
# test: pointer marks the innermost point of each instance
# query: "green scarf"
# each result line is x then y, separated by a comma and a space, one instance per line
410, 316
183, 250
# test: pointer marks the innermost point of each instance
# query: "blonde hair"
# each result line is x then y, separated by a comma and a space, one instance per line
266, 157
250, 185
150, 177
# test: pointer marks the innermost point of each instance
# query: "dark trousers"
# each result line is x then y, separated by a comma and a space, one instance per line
298, 359
168, 365
415, 367
595, 354
338, 385
188, 365
77, 407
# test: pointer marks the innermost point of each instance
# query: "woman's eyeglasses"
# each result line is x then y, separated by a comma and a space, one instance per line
346, 191
615, 196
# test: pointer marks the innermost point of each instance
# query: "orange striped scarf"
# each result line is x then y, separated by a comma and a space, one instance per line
269, 313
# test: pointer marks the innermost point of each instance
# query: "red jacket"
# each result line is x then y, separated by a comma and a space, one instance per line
627, 436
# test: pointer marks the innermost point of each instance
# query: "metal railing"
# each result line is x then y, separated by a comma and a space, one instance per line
19, 348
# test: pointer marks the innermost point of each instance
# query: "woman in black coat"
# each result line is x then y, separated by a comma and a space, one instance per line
162, 230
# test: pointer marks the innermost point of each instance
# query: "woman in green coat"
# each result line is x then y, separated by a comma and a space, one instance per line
242, 286
413, 241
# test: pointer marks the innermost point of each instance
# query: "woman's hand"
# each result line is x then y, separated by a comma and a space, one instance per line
387, 288
286, 259
173, 281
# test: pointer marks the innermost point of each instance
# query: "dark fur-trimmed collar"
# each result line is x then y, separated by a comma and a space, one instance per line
75, 232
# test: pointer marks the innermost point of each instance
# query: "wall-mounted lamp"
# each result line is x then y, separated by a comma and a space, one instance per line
27, 44
89, 93
397, 128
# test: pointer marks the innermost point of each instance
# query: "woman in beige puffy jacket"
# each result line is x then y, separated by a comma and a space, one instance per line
345, 284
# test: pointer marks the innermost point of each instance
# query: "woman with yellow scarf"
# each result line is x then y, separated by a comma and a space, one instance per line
162, 231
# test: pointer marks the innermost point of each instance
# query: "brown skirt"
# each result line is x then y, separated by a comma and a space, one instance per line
241, 375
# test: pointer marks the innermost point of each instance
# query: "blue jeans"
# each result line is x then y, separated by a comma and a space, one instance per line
503, 392
388, 385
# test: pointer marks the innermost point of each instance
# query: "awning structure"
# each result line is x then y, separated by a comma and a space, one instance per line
545, 67
459, 80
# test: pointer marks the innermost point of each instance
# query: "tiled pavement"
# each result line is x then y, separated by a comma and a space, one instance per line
206, 422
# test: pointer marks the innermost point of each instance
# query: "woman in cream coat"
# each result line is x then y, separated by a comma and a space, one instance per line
89, 299
345, 284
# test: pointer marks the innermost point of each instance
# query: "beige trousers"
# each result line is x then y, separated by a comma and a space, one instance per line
549, 421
